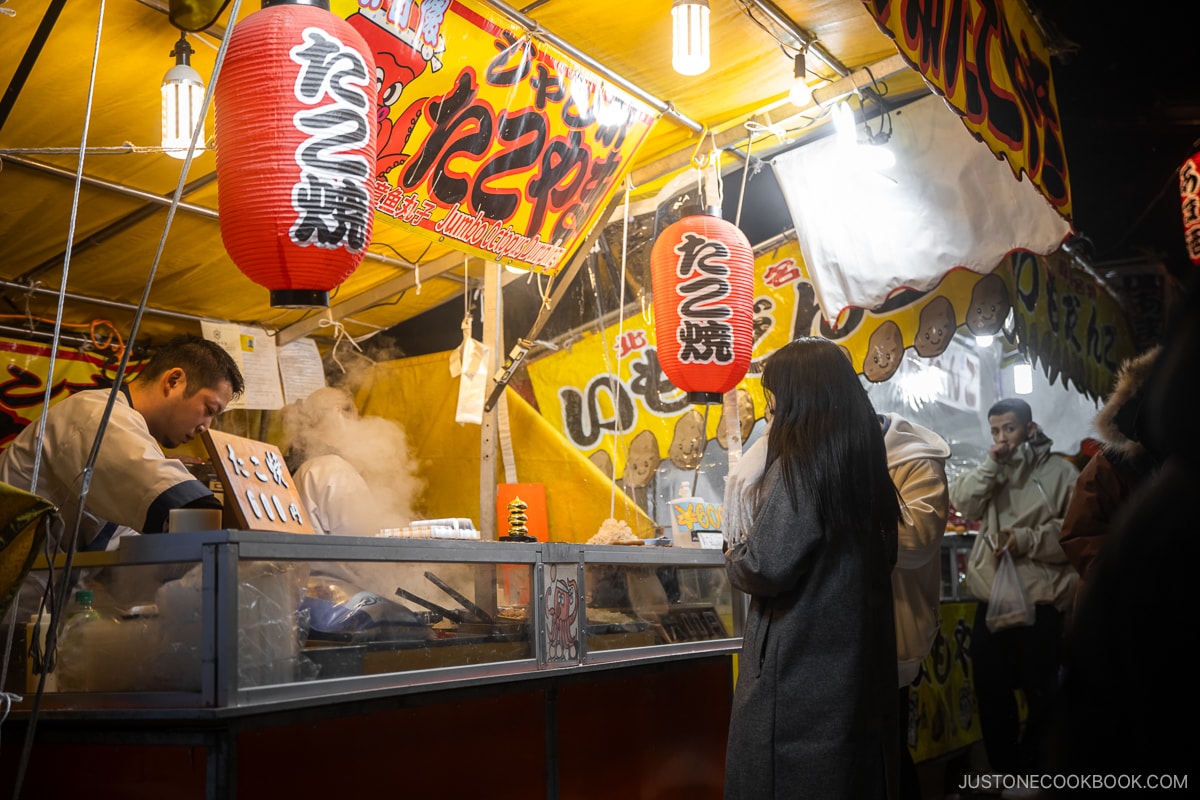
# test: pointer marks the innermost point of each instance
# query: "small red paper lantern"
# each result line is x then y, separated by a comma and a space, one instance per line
702, 276
1189, 196
295, 140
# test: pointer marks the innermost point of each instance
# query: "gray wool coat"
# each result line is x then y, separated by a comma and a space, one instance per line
815, 709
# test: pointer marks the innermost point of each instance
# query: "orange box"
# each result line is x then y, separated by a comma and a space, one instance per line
534, 496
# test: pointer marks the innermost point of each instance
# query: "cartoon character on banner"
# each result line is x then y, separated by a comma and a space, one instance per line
990, 305
935, 328
640, 477
403, 49
885, 351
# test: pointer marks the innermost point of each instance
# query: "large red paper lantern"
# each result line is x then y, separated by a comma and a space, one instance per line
702, 276
295, 140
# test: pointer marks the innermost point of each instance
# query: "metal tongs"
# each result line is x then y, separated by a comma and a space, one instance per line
471, 608
453, 616
469, 613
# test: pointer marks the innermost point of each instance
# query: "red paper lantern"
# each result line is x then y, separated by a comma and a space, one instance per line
702, 275
1189, 196
295, 141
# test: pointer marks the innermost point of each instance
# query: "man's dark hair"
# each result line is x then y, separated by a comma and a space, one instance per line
1012, 405
205, 363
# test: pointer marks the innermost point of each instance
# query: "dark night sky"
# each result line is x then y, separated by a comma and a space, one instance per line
1129, 99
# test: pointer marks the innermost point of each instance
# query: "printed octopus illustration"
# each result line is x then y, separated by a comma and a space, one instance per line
397, 64
562, 611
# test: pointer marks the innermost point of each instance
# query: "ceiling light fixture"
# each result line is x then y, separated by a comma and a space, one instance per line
182, 102
1023, 377
689, 36
801, 93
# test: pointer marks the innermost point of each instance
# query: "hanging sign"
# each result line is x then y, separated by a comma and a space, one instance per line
987, 58
1072, 325
259, 490
1189, 195
610, 397
489, 141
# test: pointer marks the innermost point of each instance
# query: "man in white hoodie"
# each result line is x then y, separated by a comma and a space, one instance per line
917, 462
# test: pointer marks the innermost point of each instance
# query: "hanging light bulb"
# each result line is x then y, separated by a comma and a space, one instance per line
1023, 377
843, 125
182, 101
801, 93
689, 28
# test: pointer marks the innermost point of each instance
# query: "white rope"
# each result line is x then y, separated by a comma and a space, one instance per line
109, 150
339, 335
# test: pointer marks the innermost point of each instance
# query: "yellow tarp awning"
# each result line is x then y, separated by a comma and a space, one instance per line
420, 394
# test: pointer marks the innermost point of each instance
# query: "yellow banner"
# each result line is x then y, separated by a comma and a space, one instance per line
489, 141
23, 384
943, 714
1069, 323
987, 58
609, 397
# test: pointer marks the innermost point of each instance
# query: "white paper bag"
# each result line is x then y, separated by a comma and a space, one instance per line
472, 382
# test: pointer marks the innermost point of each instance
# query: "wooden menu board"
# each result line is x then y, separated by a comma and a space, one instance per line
259, 489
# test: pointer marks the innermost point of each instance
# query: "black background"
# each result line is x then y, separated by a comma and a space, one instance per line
1129, 101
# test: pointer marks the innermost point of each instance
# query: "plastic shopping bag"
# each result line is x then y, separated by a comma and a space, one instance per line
1009, 605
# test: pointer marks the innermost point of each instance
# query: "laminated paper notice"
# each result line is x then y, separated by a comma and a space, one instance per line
300, 369
254, 351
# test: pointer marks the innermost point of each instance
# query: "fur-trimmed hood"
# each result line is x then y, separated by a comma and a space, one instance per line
1118, 424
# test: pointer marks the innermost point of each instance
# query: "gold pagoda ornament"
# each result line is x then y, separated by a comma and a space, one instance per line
517, 532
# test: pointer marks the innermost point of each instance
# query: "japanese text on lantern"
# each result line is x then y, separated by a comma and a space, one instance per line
1189, 195
331, 199
705, 332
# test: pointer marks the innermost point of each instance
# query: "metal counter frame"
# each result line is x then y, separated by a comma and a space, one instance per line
221, 552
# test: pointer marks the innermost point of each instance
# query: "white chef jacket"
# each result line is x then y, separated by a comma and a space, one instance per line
134, 485
337, 497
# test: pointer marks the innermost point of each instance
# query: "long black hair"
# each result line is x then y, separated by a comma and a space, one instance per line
828, 439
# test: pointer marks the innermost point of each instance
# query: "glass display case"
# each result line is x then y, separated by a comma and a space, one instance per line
232, 619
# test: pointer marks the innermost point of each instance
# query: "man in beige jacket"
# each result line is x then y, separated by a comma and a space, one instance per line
1020, 495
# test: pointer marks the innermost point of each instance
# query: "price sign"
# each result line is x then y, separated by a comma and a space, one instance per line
259, 489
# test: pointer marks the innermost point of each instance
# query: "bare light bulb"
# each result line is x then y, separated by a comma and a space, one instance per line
182, 102
689, 36
801, 93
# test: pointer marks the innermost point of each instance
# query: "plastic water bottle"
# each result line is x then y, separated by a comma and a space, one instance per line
72, 644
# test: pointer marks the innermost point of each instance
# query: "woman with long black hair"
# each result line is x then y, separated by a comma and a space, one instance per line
814, 713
